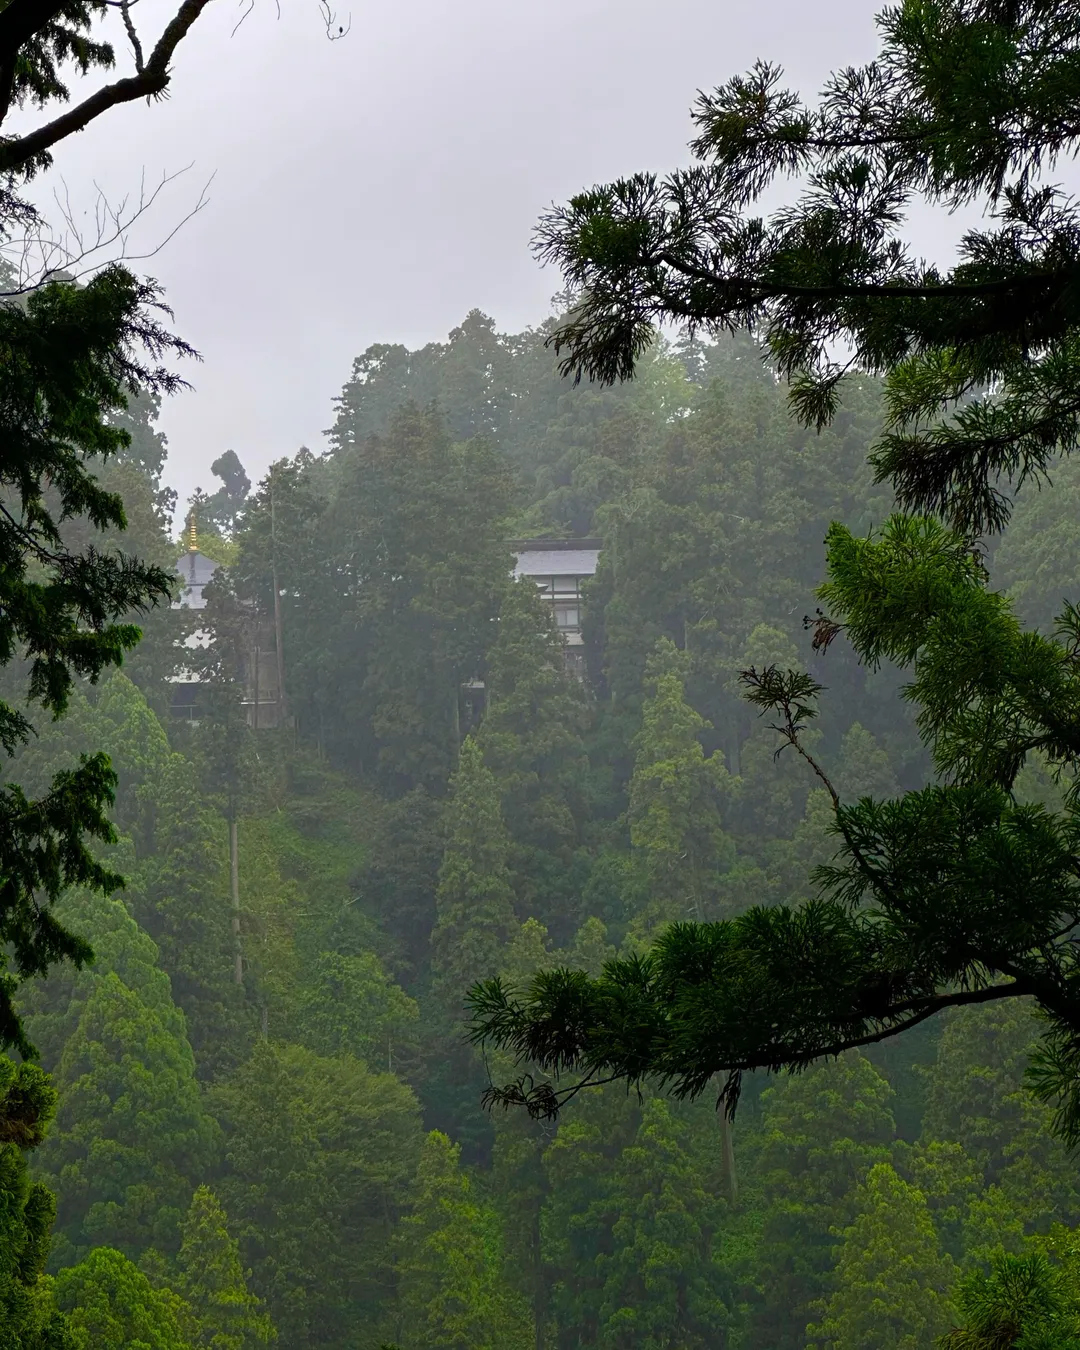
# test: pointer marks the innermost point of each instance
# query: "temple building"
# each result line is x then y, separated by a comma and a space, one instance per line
258, 662
195, 570
559, 567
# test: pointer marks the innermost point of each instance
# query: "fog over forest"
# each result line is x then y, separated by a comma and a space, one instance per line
548, 825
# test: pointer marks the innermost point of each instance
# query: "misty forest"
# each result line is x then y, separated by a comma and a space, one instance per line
587, 857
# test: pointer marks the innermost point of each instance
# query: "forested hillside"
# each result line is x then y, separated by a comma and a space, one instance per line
268, 1118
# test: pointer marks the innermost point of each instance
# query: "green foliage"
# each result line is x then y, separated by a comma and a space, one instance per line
661, 1284
583, 815
319, 1151
675, 802
978, 1094
55, 1006
966, 103
219, 511
352, 1006
132, 1133
391, 570
1021, 1301
948, 895
474, 901
821, 1132
449, 1293
531, 736
213, 1281
892, 1282
28, 1319
70, 351
111, 1305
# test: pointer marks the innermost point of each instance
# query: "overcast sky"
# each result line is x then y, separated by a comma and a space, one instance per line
377, 188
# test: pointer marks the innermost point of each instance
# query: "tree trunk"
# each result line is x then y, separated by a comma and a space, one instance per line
727, 1148
538, 1281
258, 694
234, 868
283, 710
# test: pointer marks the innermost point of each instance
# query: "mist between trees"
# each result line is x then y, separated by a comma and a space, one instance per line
302, 1151
575, 862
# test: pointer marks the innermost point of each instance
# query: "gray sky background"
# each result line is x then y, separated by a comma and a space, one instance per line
377, 188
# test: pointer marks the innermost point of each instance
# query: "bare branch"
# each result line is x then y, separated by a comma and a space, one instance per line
330, 19
250, 5
37, 257
133, 37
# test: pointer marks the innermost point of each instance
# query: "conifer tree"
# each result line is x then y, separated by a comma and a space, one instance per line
590, 949
180, 895
403, 573
531, 739
580, 1164
864, 769
110, 1304
976, 1093
984, 125
55, 1006
475, 900
1020, 1300
474, 920
891, 1280
213, 1282
1038, 558
320, 1152
662, 1284
173, 860
517, 1171
132, 1134
822, 1132
770, 797
676, 827
351, 1006
449, 1293
71, 351
138, 749
951, 895
28, 1319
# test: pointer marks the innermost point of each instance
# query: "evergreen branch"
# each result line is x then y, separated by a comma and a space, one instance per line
21, 20
760, 288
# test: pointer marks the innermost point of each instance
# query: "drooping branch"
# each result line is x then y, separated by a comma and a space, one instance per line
545, 1100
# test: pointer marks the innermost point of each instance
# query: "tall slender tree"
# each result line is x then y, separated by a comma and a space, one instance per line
449, 1293
213, 1281
892, 1282
531, 736
475, 901
676, 792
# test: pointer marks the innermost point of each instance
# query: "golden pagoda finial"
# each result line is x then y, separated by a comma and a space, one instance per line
193, 538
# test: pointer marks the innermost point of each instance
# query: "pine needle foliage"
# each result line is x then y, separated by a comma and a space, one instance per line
1021, 1301
968, 102
68, 354
950, 895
